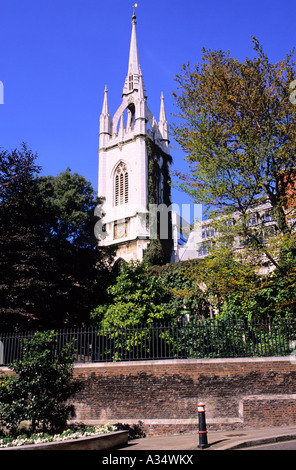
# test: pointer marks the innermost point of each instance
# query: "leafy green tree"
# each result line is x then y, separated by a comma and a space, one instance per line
238, 130
183, 292
137, 297
85, 268
273, 297
153, 255
22, 237
219, 276
51, 269
70, 201
41, 385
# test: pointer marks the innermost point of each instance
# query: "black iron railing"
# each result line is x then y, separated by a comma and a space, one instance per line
199, 339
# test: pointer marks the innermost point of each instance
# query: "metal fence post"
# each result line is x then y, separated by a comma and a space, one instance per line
1, 353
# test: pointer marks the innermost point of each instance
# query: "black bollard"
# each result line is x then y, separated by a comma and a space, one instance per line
202, 427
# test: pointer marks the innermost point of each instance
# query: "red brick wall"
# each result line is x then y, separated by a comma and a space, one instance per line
164, 394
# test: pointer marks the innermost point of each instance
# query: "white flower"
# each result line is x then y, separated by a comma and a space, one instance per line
39, 438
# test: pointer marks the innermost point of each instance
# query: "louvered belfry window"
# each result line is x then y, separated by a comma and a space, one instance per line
131, 82
121, 185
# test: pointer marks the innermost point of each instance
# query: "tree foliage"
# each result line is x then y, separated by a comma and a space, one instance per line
272, 298
70, 200
51, 270
238, 129
135, 298
220, 274
144, 294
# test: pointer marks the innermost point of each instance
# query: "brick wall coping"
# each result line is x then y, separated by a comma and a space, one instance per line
176, 362
182, 361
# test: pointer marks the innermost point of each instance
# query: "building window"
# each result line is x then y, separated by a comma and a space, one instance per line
205, 248
120, 229
121, 185
208, 232
252, 220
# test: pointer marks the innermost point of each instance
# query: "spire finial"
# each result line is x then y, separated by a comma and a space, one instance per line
105, 109
134, 12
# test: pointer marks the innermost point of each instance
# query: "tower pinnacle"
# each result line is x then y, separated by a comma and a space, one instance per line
105, 118
163, 123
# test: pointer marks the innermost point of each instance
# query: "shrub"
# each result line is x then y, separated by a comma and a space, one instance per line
40, 386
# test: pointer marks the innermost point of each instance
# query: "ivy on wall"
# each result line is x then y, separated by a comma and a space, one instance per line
158, 251
155, 153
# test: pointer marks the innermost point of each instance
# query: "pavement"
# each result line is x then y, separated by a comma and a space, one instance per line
217, 440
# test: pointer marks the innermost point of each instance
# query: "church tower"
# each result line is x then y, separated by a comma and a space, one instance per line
134, 168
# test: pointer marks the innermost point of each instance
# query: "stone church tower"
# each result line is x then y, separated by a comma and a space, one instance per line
134, 168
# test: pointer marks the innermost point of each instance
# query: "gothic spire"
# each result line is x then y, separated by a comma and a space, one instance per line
133, 64
134, 71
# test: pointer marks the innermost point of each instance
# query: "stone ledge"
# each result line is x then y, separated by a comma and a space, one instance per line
111, 440
156, 362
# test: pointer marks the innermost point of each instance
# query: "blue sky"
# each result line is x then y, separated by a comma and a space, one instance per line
57, 55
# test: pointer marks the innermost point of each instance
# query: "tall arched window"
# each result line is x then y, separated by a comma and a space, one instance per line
121, 185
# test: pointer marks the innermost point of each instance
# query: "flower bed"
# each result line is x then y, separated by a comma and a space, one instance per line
41, 438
